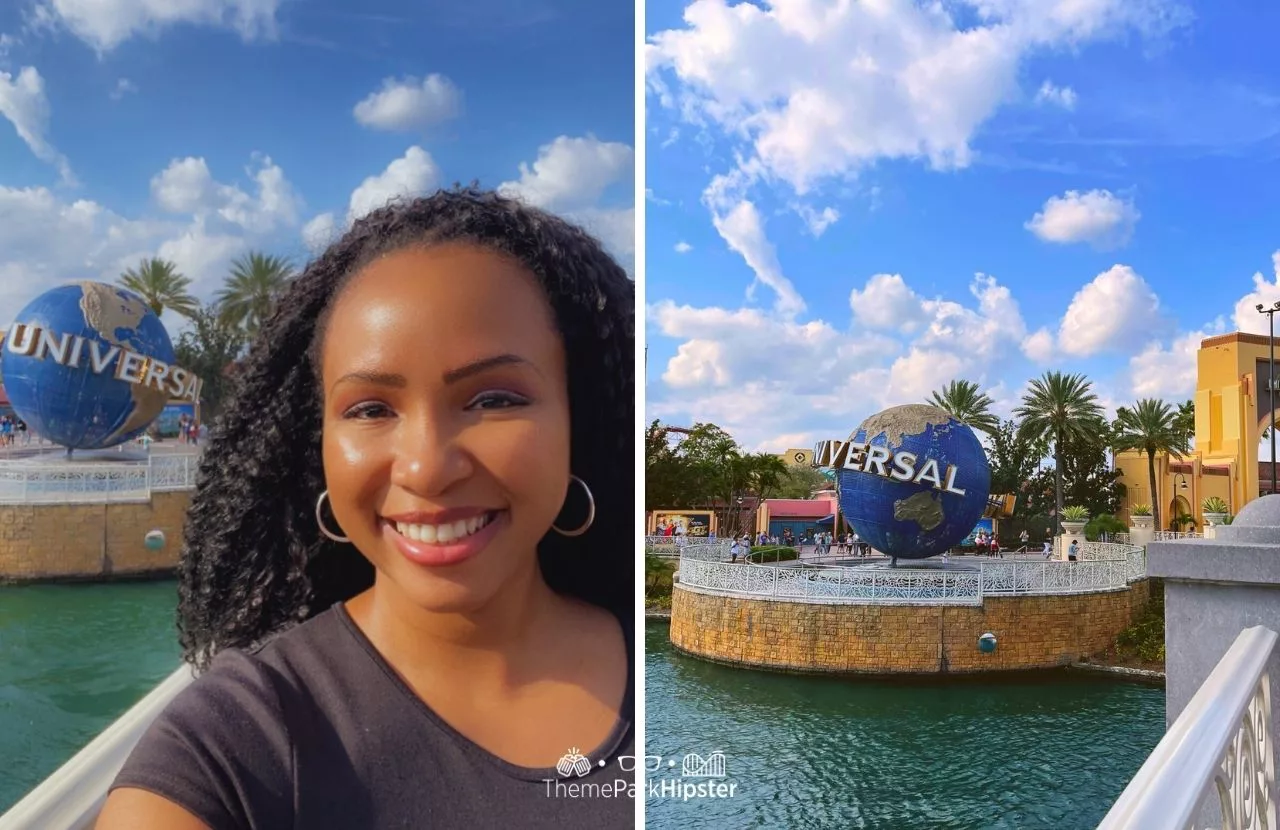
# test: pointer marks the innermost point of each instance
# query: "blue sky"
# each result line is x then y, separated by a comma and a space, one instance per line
201, 129
846, 211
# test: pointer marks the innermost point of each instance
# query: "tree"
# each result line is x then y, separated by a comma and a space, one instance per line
1060, 407
800, 482
1014, 458
256, 281
1152, 427
160, 286
1185, 420
208, 348
967, 404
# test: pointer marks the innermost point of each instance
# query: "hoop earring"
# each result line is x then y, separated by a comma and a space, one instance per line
591, 511
320, 520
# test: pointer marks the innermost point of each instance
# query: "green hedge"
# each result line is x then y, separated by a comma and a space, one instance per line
772, 553
658, 573
1106, 523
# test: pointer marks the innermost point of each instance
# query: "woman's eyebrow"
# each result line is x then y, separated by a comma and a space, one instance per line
398, 381
483, 365
373, 377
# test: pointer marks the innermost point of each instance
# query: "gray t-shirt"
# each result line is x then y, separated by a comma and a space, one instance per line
316, 730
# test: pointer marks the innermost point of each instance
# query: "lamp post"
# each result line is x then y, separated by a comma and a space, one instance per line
1271, 384
1183, 486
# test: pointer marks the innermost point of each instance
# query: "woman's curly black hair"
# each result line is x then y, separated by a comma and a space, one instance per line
254, 562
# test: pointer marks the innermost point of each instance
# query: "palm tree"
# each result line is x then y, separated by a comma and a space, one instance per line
967, 404
160, 286
1184, 420
1152, 427
1060, 407
255, 282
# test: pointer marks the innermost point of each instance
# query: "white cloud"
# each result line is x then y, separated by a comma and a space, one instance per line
572, 173
886, 303
763, 375
740, 225
1116, 311
319, 232
822, 90
46, 240
812, 92
1060, 96
410, 104
614, 227
1168, 373
571, 176
1265, 292
25, 104
1039, 347
105, 24
413, 174
1098, 217
683, 247
818, 221
187, 186
122, 88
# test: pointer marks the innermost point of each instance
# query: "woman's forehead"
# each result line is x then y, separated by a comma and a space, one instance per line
449, 302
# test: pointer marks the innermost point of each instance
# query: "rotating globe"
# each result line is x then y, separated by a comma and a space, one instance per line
922, 484
75, 365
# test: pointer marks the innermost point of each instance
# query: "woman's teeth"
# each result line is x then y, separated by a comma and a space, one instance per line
443, 534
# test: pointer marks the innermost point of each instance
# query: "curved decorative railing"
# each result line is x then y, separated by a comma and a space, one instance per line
1112, 567
1171, 535
1215, 767
35, 482
903, 585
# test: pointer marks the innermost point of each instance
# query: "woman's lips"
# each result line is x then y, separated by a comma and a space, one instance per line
428, 549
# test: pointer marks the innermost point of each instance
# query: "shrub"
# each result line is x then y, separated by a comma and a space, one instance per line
1140, 510
1075, 513
658, 580
1213, 504
1145, 638
1106, 523
772, 553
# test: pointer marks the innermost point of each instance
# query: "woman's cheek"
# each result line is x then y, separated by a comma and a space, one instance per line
351, 467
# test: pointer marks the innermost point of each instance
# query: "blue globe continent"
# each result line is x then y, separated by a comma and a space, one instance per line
914, 520
76, 407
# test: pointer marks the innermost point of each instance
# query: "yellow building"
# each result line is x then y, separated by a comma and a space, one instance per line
1231, 396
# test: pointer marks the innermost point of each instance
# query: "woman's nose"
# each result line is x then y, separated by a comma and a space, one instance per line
429, 458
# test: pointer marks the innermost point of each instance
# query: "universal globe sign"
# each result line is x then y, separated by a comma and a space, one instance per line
912, 480
90, 366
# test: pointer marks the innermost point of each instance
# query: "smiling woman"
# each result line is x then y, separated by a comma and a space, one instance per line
406, 577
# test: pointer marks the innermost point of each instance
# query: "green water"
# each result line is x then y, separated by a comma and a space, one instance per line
1047, 751
73, 658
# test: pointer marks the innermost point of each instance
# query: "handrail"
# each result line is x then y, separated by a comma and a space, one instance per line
1104, 567
72, 797
1221, 744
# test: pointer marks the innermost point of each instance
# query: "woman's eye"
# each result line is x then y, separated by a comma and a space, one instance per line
366, 411
497, 400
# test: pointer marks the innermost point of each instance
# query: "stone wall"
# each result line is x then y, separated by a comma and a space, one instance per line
1032, 632
89, 541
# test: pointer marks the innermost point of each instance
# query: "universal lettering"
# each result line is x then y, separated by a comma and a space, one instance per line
858, 456
126, 365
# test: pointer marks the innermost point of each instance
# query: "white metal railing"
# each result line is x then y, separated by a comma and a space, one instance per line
37, 482
1216, 765
1103, 567
1171, 535
72, 797
918, 585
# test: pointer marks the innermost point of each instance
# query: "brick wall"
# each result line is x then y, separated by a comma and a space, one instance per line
88, 541
1032, 632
